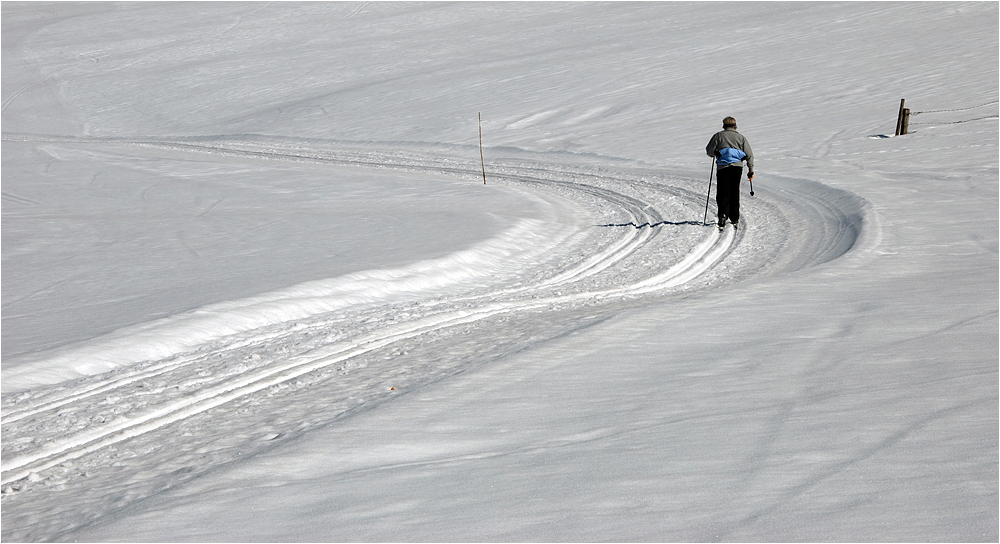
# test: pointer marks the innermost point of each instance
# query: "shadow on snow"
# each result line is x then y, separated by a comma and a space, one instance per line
661, 223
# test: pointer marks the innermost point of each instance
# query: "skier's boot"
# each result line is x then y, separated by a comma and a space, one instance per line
736, 225
722, 221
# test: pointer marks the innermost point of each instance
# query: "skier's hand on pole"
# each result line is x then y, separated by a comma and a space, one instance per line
750, 179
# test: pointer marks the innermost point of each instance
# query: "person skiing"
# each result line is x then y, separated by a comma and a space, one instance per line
730, 149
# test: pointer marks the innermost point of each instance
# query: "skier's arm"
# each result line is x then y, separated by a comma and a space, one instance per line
749, 157
712, 149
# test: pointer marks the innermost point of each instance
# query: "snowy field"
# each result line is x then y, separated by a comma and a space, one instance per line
254, 287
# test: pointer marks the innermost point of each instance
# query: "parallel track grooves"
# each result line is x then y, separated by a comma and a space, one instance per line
702, 257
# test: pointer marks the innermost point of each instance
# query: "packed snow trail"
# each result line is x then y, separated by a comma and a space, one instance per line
369, 335
214, 393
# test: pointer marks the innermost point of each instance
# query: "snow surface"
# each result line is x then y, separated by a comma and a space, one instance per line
255, 289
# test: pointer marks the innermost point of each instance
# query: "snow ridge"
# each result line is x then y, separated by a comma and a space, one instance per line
168, 337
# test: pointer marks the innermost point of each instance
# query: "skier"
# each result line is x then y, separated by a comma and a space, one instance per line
730, 149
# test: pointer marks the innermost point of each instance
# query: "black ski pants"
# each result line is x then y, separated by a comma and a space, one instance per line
727, 195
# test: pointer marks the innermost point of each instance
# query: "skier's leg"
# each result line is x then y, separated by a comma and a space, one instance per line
734, 196
728, 186
721, 197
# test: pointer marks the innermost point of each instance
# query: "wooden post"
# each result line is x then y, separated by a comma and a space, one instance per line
481, 159
899, 118
906, 121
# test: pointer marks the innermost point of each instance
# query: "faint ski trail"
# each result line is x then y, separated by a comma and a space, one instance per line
19, 464
59, 451
191, 378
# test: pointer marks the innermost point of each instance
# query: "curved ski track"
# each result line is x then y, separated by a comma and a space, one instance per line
33, 445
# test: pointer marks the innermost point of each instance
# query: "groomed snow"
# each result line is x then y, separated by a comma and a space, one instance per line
255, 288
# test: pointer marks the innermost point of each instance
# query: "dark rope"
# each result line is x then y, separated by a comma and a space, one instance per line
957, 122
959, 109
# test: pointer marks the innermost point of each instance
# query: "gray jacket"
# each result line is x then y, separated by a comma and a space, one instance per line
730, 149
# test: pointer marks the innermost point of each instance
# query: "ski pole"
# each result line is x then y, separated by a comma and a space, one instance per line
709, 195
481, 159
750, 179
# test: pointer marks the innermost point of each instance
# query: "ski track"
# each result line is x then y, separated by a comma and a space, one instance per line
49, 426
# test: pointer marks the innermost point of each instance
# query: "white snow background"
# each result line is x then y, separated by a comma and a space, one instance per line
254, 288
